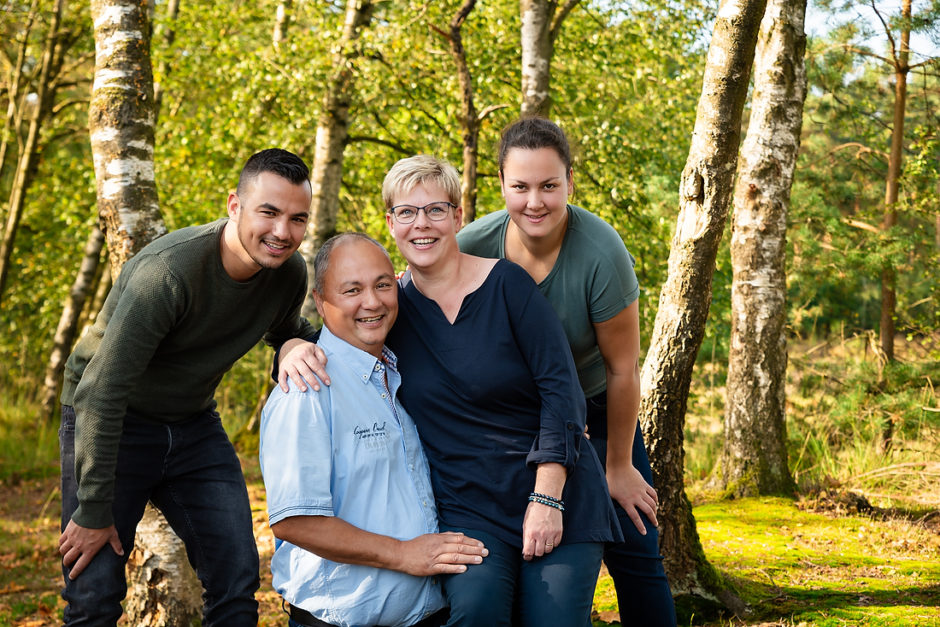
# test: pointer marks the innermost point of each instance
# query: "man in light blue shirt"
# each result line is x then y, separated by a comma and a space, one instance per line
348, 487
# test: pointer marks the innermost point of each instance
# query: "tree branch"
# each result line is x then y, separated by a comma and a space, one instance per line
490, 109
559, 17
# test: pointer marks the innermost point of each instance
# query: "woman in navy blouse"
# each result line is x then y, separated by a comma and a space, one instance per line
488, 376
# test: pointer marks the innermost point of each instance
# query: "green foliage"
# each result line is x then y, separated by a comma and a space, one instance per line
29, 447
837, 247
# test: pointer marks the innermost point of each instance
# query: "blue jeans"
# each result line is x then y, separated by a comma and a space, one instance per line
635, 565
556, 589
188, 470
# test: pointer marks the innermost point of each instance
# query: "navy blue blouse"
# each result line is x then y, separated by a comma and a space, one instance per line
493, 395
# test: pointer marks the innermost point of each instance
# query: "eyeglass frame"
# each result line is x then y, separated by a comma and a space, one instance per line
450, 206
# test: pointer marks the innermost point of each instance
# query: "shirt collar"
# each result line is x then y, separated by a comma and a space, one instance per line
356, 359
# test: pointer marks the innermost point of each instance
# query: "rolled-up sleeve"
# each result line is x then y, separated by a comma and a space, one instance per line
541, 338
296, 454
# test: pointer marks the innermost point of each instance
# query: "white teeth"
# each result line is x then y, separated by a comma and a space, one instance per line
375, 319
421, 242
278, 246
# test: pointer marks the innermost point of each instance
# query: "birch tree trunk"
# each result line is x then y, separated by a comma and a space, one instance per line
68, 322
469, 122
901, 61
169, 36
121, 126
281, 22
29, 154
102, 286
704, 196
12, 118
326, 175
754, 457
541, 23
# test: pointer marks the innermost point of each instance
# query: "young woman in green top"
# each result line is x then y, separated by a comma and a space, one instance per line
581, 264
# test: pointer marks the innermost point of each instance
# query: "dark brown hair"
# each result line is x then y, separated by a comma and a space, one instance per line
531, 134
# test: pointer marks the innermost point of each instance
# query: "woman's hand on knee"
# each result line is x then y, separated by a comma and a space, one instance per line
541, 530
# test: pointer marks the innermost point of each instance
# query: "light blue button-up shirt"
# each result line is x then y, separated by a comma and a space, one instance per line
350, 451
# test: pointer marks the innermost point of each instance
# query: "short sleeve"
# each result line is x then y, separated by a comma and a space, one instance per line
296, 453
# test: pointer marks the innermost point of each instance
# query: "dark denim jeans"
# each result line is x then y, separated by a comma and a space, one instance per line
556, 589
635, 565
190, 472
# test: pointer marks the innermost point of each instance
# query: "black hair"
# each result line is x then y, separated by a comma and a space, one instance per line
277, 161
531, 134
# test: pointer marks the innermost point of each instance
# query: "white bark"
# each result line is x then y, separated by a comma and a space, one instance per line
754, 459
121, 126
541, 22
122, 116
165, 588
705, 195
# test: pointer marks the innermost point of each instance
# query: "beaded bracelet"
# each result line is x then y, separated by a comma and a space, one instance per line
559, 505
547, 497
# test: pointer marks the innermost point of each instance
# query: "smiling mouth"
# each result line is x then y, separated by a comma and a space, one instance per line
276, 246
424, 241
371, 320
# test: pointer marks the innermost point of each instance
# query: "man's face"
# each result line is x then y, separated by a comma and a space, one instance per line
359, 298
271, 215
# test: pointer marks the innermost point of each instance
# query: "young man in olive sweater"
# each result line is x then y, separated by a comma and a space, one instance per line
138, 417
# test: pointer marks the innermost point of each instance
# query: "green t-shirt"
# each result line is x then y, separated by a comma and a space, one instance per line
172, 325
592, 281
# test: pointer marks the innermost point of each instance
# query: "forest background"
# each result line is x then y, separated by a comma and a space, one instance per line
863, 423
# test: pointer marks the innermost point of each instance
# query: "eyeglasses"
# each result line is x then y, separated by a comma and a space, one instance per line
436, 211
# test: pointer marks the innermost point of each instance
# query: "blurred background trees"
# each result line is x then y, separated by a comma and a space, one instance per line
232, 78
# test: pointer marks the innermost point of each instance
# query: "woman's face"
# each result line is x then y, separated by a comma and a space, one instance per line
424, 241
536, 186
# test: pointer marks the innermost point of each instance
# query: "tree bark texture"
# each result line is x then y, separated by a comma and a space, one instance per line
901, 59
705, 193
754, 456
102, 285
326, 174
13, 116
281, 23
29, 154
164, 587
541, 22
168, 36
469, 120
121, 123
68, 322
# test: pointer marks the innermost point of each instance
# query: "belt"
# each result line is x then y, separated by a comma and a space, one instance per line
303, 617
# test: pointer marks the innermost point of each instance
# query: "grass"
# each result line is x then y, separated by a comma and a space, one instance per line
814, 561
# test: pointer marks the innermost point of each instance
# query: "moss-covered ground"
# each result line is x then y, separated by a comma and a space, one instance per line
793, 566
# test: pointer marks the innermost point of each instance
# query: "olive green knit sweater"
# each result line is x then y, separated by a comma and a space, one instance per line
172, 325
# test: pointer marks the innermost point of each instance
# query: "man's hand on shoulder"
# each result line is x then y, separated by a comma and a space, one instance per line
78, 545
440, 553
301, 360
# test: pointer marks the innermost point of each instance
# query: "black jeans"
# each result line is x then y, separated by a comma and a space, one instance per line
190, 471
635, 565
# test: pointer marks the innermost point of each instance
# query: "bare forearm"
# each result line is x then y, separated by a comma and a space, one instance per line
550, 479
334, 539
623, 404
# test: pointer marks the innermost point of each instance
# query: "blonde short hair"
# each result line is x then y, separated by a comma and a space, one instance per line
408, 173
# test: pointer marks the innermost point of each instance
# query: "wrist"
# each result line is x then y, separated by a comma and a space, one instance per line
547, 500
